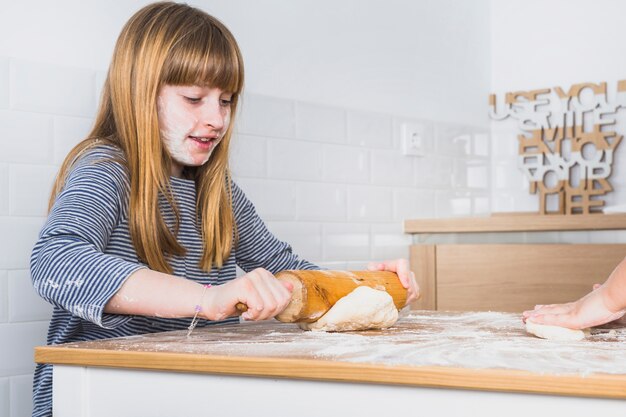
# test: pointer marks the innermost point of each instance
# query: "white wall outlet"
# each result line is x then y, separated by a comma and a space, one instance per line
412, 139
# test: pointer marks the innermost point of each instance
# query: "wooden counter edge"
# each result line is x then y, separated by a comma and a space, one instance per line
517, 223
593, 385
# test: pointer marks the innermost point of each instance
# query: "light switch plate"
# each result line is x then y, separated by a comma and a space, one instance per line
412, 139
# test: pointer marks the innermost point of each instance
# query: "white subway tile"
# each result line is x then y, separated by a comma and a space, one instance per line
481, 143
389, 242
321, 202
17, 239
370, 203
453, 140
25, 137
101, 77
24, 303
46, 88
4, 296
346, 164
16, 357
4, 83
304, 238
505, 143
345, 242
435, 172
4, 189
5, 397
370, 129
477, 174
604, 236
453, 204
508, 176
413, 204
30, 187
22, 395
274, 200
267, 116
575, 237
333, 266
358, 265
294, 160
320, 123
68, 131
392, 168
248, 156
481, 206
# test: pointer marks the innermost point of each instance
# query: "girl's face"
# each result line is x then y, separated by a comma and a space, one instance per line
192, 121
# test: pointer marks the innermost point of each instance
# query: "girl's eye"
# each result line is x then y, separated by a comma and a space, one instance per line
225, 102
193, 100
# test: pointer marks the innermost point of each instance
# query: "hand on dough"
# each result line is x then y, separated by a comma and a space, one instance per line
590, 310
407, 277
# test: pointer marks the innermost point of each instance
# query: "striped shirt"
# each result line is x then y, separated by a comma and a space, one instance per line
84, 254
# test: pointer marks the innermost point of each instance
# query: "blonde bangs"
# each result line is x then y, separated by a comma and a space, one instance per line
207, 55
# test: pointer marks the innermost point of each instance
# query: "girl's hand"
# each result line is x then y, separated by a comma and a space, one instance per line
589, 311
407, 277
264, 295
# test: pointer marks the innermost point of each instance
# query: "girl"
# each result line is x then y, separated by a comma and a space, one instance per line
145, 222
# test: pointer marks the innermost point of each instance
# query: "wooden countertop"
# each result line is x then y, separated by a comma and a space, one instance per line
517, 223
483, 351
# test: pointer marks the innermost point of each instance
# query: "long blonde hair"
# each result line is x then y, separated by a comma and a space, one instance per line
174, 44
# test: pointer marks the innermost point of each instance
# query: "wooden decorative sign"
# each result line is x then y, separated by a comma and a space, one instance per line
566, 146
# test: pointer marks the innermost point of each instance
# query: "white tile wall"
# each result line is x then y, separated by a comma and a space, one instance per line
16, 357
372, 204
21, 395
410, 203
388, 241
4, 296
4, 189
4, 83
274, 200
346, 164
24, 303
267, 116
320, 123
390, 167
304, 238
25, 137
322, 202
4, 397
67, 132
294, 160
370, 129
52, 89
17, 239
248, 156
28, 184
346, 241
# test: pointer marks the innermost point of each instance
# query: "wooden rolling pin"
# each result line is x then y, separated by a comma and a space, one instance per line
315, 292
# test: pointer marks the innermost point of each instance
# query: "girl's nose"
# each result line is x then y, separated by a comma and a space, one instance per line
213, 115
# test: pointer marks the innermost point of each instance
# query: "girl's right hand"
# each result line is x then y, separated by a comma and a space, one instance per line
264, 295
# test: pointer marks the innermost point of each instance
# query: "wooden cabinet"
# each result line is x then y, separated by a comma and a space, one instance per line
496, 268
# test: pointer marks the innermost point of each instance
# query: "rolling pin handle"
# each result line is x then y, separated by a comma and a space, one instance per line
241, 307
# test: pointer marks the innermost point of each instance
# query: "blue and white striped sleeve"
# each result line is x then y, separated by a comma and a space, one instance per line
256, 246
68, 265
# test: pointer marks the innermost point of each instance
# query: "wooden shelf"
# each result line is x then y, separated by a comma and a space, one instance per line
517, 223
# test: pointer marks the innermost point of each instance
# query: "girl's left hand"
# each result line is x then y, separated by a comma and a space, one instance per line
407, 277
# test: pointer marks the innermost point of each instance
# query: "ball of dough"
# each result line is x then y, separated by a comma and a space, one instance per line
558, 333
364, 308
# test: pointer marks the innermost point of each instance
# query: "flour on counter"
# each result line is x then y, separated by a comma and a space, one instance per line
470, 340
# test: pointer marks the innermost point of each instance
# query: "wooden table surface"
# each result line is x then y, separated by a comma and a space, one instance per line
484, 351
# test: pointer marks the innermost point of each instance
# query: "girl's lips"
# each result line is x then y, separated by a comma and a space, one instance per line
204, 143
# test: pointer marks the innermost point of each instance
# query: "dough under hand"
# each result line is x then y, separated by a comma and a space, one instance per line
558, 333
364, 308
